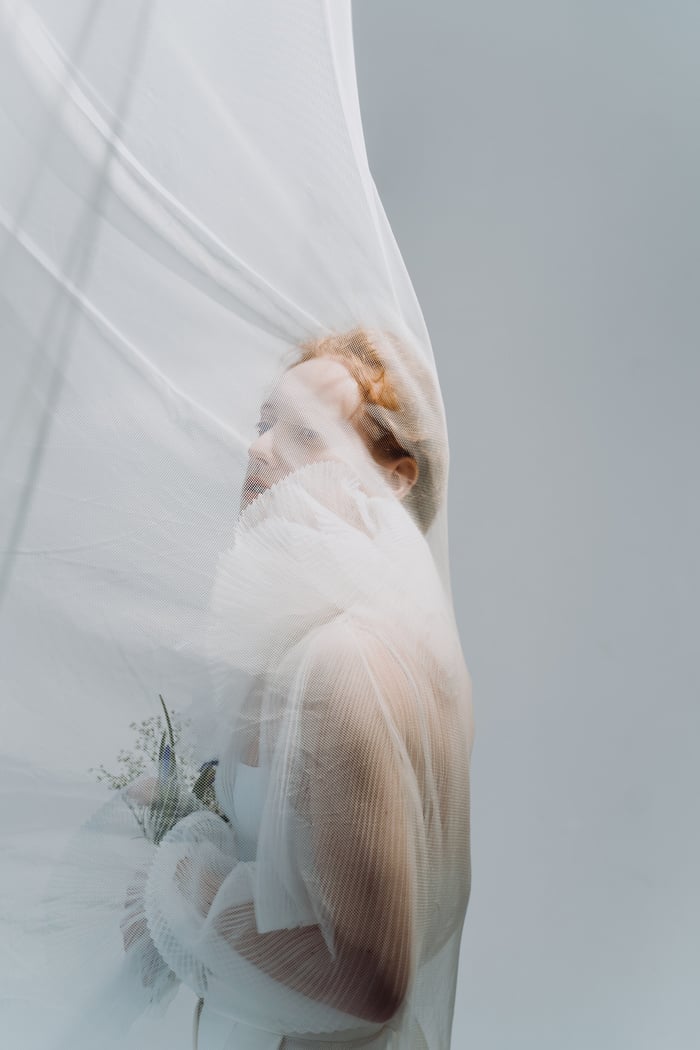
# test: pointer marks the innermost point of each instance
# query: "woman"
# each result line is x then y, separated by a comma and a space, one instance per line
327, 909
187, 195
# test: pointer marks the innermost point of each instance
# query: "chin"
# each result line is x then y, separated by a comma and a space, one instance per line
246, 501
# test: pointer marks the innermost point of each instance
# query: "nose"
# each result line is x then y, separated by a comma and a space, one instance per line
261, 448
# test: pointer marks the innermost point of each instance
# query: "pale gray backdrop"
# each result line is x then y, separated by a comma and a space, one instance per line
540, 164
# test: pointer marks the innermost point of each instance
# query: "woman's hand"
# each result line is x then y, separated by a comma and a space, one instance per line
133, 922
142, 791
198, 886
136, 937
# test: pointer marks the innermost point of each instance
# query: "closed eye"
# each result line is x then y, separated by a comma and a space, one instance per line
308, 434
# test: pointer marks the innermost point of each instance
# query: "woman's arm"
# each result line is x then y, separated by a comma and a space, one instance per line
361, 814
360, 806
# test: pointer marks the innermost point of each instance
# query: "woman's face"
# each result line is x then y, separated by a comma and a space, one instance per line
308, 417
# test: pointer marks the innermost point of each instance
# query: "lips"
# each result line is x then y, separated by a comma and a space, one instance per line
253, 487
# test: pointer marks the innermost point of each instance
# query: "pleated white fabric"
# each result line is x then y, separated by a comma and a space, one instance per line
190, 241
364, 684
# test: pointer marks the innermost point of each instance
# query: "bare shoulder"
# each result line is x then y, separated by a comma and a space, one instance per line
362, 680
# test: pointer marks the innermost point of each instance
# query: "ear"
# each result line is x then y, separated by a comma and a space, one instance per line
403, 474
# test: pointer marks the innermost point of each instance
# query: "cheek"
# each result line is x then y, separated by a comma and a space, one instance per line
351, 449
290, 451
315, 452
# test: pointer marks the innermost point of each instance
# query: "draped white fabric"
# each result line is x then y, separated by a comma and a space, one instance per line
190, 242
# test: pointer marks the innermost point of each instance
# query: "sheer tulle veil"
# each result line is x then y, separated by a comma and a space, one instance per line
186, 213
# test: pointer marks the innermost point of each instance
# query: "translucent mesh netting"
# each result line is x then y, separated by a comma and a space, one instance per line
224, 466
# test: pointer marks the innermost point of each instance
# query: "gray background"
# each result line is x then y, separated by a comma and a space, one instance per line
540, 165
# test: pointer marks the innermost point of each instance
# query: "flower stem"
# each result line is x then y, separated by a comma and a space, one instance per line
167, 719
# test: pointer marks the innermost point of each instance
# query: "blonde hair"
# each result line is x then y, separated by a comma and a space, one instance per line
402, 407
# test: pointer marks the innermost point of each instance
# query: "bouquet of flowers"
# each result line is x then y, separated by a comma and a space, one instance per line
175, 788
160, 784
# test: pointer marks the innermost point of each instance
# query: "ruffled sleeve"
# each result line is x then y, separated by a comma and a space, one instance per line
190, 864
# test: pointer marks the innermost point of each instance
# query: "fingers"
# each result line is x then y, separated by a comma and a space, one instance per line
133, 921
133, 930
183, 871
142, 791
136, 937
199, 888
